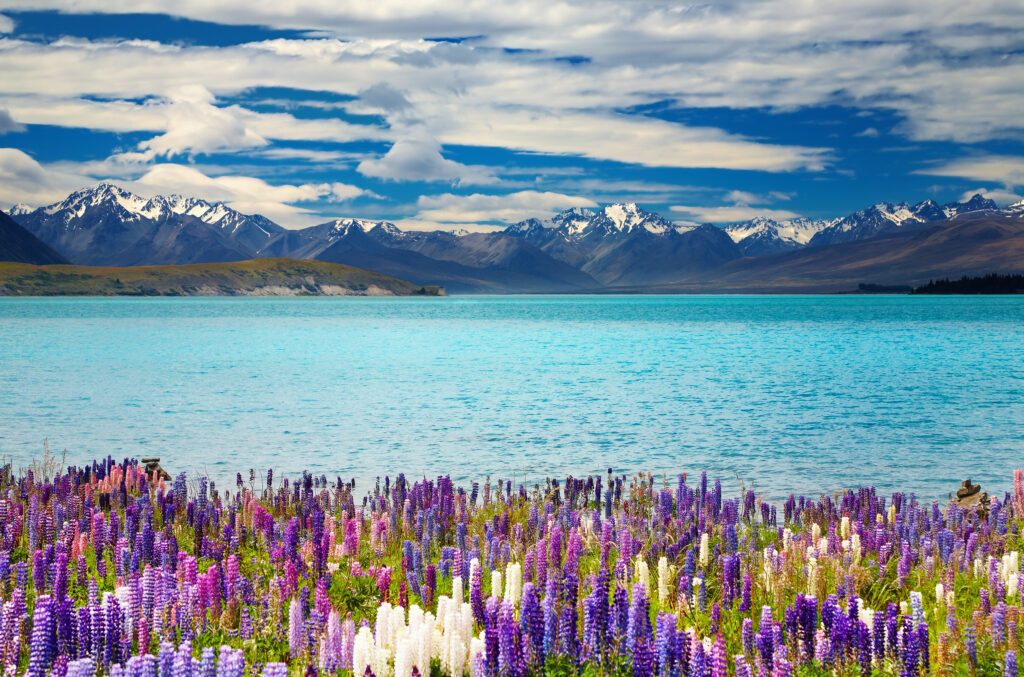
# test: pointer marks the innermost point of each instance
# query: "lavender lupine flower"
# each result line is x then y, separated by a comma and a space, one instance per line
1010, 664
296, 633
742, 667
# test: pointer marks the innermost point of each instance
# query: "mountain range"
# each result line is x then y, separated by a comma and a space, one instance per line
616, 246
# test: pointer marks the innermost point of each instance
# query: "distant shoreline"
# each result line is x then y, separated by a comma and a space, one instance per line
258, 277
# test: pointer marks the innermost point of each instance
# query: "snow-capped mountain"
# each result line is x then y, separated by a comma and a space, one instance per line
622, 244
765, 235
614, 219
309, 243
1016, 210
886, 217
108, 225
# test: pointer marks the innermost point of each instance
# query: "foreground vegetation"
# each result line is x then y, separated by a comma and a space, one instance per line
258, 277
108, 569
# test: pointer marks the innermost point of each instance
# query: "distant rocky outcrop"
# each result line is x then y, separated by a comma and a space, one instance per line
971, 497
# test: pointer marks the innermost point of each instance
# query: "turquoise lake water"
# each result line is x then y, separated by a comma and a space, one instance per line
803, 394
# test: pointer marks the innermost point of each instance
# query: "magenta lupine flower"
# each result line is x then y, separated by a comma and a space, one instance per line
719, 662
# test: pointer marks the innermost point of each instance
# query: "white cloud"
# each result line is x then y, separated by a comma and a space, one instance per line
1000, 196
6, 24
1007, 170
418, 158
194, 125
730, 213
8, 123
246, 194
23, 179
507, 208
629, 139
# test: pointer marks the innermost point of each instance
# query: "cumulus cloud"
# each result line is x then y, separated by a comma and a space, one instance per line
418, 158
6, 24
195, 125
24, 180
7, 123
507, 208
1007, 170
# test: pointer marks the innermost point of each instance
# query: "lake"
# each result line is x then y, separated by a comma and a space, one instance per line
781, 393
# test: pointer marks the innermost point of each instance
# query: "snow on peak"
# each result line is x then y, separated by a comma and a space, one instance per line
795, 231
19, 209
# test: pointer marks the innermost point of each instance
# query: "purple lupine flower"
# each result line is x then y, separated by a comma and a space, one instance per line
1010, 664
532, 624
747, 635
41, 643
971, 645
665, 642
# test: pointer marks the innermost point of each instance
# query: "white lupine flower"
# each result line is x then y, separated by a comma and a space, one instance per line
1009, 565
940, 593
855, 548
643, 574
496, 586
867, 617
705, 549
844, 527
767, 571
477, 647
1013, 585
892, 514
815, 532
513, 582
457, 588
381, 630
787, 538
664, 580
977, 566
812, 574
362, 651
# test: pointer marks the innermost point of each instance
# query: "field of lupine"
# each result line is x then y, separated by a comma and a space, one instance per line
105, 570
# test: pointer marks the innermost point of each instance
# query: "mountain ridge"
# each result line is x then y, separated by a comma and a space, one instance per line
575, 250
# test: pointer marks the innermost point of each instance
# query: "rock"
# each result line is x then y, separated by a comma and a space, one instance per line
967, 489
153, 465
971, 497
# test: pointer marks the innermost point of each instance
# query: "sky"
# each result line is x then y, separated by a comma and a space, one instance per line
435, 114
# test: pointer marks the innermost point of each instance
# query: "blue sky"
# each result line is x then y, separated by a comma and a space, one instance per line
473, 114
